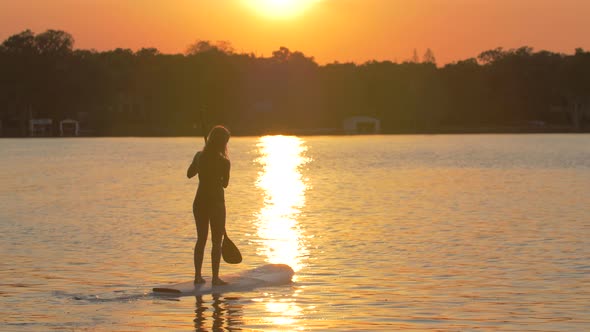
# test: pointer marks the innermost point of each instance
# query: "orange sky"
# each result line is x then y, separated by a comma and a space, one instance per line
330, 30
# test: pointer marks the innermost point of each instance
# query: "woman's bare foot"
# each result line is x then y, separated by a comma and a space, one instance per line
199, 280
218, 282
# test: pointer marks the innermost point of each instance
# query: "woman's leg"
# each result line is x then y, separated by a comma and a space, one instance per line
217, 232
202, 222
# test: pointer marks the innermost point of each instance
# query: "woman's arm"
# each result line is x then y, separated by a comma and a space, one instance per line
226, 174
193, 169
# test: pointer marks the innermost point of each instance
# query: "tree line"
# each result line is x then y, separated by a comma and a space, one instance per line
146, 92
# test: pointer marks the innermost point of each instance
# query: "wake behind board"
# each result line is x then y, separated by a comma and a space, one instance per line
266, 275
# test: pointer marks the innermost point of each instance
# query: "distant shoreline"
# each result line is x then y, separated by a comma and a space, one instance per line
52, 88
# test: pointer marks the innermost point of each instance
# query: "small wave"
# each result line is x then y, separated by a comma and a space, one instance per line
116, 296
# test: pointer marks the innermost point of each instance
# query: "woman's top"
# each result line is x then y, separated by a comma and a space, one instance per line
213, 170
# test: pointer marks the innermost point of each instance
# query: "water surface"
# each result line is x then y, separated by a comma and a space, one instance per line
447, 233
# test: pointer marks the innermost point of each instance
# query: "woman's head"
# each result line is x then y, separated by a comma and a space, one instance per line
217, 141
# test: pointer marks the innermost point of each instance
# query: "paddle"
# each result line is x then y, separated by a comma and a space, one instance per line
229, 251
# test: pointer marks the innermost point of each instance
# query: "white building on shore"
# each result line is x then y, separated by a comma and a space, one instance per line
361, 125
41, 127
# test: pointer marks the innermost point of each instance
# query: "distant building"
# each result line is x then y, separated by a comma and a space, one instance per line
41, 127
69, 127
361, 125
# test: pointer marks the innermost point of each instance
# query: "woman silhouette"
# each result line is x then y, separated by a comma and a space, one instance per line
213, 165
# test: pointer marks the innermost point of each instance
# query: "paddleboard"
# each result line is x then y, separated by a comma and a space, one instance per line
263, 276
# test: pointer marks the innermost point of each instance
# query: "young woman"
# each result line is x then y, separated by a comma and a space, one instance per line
213, 165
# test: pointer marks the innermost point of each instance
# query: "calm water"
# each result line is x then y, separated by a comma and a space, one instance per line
445, 233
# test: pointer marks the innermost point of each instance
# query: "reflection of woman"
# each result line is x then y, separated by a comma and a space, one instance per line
213, 165
226, 315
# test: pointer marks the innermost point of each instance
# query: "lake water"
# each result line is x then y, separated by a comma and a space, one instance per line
413, 233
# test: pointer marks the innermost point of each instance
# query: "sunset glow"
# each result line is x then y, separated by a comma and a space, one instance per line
280, 9
328, 30
379, 165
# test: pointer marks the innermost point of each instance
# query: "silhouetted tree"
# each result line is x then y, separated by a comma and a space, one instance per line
22, 44
429, 57
54, 42
415, 58
201, 46
491, 56
122, 92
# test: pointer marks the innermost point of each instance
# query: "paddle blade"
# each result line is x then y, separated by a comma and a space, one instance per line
230, 253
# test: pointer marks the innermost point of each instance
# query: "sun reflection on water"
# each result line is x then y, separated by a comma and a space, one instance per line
284, 188
285, 312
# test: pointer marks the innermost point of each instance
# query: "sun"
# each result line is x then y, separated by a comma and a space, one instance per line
280, 9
